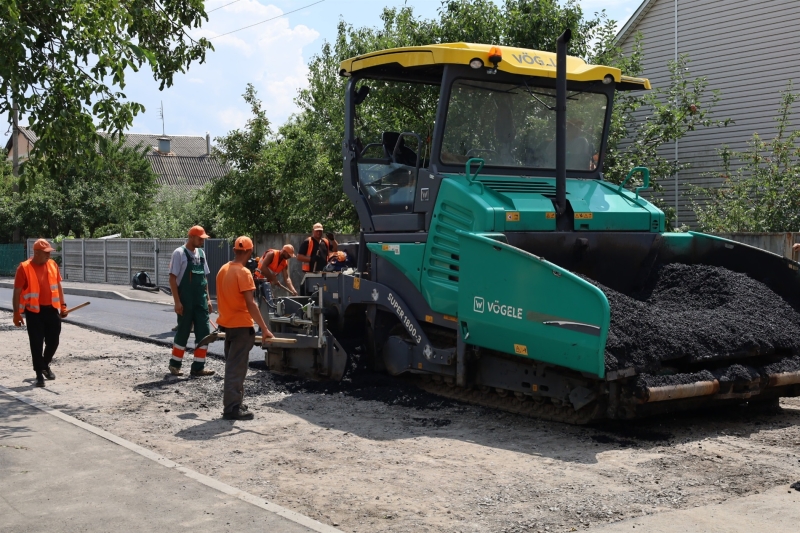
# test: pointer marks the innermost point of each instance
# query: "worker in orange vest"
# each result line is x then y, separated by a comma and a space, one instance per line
38, 294
314, 251
272, 263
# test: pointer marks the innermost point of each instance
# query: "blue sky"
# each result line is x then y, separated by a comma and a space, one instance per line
272, 56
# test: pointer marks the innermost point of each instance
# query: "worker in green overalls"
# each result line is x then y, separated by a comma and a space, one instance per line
188, 269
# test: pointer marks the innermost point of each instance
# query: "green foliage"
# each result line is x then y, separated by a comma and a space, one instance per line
92, 197
63, 62
248, 200
173, 212
8, 216
762, 194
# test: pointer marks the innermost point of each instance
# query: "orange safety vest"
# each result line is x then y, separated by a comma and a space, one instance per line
276, 266
307, 266
29, 299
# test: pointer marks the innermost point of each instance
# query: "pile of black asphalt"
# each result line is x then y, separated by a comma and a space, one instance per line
704, 316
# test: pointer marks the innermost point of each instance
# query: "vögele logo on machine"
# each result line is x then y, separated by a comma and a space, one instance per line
478, 305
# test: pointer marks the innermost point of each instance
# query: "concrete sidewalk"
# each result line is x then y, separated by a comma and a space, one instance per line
58, 477
776, 511
104, 290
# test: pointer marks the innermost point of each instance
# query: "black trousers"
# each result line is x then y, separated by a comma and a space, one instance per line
44, 330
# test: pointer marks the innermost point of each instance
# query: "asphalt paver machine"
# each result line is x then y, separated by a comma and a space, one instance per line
488, 234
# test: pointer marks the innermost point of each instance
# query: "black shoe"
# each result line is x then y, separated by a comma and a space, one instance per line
39, 380
48, 374
238, 414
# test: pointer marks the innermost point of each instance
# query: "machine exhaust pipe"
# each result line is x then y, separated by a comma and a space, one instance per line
561, 125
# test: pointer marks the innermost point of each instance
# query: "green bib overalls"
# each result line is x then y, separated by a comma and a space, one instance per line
192, 293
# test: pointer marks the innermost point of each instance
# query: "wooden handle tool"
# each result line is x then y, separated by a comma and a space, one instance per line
71, 309
276, 340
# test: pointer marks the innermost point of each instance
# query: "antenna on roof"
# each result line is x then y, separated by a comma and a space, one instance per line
161, 114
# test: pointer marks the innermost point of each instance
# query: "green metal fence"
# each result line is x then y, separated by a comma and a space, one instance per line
11, 255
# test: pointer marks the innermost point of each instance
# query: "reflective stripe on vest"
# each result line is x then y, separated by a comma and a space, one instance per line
29, 299
307, 266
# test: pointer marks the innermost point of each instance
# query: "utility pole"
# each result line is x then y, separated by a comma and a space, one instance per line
15, 144
15, 158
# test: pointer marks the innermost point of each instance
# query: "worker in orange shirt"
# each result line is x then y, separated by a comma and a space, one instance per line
272, 263
237, 312
38, 293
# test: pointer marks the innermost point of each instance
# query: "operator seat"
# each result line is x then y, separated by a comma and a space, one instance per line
405, 155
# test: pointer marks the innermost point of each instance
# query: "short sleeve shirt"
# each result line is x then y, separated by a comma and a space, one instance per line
318, 253
232, 280
179, 262
21, 282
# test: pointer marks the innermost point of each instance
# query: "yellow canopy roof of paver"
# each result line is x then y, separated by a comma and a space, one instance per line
515, 61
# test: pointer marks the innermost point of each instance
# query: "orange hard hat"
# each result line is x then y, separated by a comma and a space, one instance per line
289, 249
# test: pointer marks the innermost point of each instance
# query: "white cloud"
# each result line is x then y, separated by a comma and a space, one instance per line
232, 118
269, 55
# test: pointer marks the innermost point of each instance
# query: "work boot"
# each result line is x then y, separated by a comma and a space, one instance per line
200, 373
48, 374
175, 371
39, 379
240, 413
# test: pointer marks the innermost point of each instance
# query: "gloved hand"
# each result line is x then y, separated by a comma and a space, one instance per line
18, 320
64, 311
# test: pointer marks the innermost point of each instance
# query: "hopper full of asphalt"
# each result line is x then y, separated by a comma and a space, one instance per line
698, 316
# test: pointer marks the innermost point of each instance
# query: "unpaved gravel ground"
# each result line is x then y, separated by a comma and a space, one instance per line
376, 455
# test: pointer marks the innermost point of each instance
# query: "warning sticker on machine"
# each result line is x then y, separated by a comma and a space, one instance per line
392, 248
583, 216
512, 216
520, 349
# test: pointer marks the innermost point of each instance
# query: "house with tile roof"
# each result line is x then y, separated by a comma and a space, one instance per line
746, 49
179, 161
26, 139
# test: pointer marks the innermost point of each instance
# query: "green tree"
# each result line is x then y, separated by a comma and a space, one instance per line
762, 194
106, 194
64, 63
248, 200
173, 212
8, 217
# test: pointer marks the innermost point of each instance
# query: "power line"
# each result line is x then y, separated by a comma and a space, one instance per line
220, 7
263, 21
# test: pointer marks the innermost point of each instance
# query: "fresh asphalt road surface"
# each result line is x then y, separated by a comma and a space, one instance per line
140, 319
